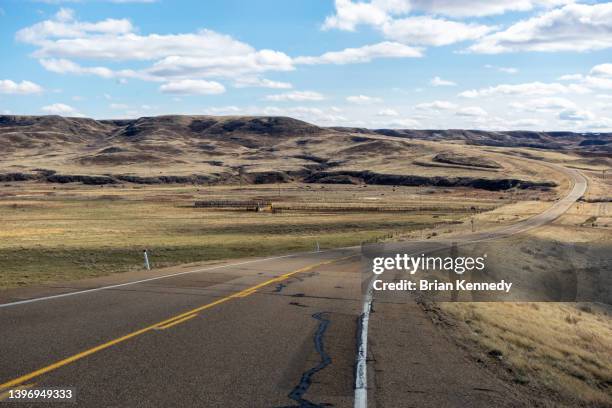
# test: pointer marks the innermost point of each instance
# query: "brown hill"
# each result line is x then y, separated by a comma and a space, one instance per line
211, 149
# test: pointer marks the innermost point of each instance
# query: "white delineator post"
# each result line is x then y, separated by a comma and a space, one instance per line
146, 260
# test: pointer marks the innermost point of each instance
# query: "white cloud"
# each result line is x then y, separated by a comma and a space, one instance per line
223, 65
64, 66
296, 96
575, 27
574, 115
506, 70
436, 105
388, 112
405, 123
530, 88
437, 81
64, 26
471, 111
597, 82
222, 110
366, 53
60, 109
363, 99
570, 77
349, 14
256, 82
604, 70
19, 88
200, 55
386, 16
118, 106
479, 8
544, 104
192, 87
424, 30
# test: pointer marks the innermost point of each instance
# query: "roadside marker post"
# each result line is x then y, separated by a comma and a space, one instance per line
146, 260
318, 248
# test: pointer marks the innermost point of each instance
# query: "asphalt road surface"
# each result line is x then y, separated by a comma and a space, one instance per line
276, 332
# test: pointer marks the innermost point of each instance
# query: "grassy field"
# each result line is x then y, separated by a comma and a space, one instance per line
50, 233
564, 349
561, 351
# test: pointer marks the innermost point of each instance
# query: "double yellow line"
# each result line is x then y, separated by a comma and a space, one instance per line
165, 324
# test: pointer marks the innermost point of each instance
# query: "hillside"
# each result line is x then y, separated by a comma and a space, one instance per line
232, 149
583, 142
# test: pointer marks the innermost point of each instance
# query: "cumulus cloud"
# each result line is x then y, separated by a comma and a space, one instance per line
222, 110
574, 27
576, 115
405, 123
473, 111
388, 112
425, 30
480, 8
570, 77
544, 104
349, 14
296, 96
256, 82
366, 53
192, 87
604, 70
204, 54
363, 99
506, 70
8, 86
436, 105
530, 88
60, 109
437, 81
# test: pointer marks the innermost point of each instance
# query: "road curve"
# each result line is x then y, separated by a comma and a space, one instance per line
578, 188
266, 333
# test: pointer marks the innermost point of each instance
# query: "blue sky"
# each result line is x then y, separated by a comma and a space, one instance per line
484, 64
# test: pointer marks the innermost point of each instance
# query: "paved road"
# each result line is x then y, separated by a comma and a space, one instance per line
279, 332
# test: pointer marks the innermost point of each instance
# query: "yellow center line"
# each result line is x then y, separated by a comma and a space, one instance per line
19, 380
175, 322
6, 394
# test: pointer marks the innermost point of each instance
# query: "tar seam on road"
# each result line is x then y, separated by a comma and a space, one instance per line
297, 394
20, 380
81, 292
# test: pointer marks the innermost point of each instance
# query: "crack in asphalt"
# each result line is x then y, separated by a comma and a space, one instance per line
279, 287
297, 394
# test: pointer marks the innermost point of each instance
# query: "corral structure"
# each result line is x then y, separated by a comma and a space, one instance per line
249, 205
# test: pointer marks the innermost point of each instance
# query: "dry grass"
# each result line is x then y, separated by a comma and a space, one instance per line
48, 234
567, 348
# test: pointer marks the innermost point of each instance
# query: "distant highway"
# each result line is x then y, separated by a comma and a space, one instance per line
273, 332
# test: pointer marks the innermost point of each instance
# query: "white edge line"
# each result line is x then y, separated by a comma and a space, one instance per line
361, 380
81, 292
